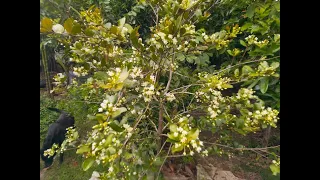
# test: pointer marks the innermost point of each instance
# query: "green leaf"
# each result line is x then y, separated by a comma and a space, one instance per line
83, 149
246, 26
264, 82
174, 149
127, 155
46, 25
76, 28
253, 84
250, 11
101, 117
114, 30
246, 70
101, 75
193, 134
275, 65
89, 32
230, 52
68, 24
87, 163
115, 127
275, 169
157, 161
112, 150
173, 127
243, 43
129, 27
121, 22
180, 56
134, 37
236, 72
108, 140
239, 122
118, 112
171, 136
255, 28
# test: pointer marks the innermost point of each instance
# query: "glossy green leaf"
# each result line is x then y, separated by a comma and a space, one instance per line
264, 83
88, 163
68, 24
83, 149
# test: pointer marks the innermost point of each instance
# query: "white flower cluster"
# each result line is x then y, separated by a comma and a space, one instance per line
216, 99
80, 71
104, 152
129, 130
183, 129
245, 94
170, 97
51, 151
114, 73
214, 81
277, 163
71, 134
148, 91
266, 116
96, 63
116, 51
218, 39
264, 69
136, 72
108, 107
252, 39
59, 78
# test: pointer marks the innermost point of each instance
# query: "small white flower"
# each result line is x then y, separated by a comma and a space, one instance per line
174, 41
103, 105
100, 109
184, 132
110, 169
183, 139
110, 73
198, 149
175, 134
118, 70
58, 28
191, 153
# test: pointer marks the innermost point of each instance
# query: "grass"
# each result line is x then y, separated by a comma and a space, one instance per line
69, 169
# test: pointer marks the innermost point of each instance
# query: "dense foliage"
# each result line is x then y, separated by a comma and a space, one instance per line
203, 65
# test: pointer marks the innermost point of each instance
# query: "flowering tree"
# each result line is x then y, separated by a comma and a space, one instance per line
151, 91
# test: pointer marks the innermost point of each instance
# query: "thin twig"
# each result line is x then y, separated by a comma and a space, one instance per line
180, 155
186, 87
164, 161
183, 93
